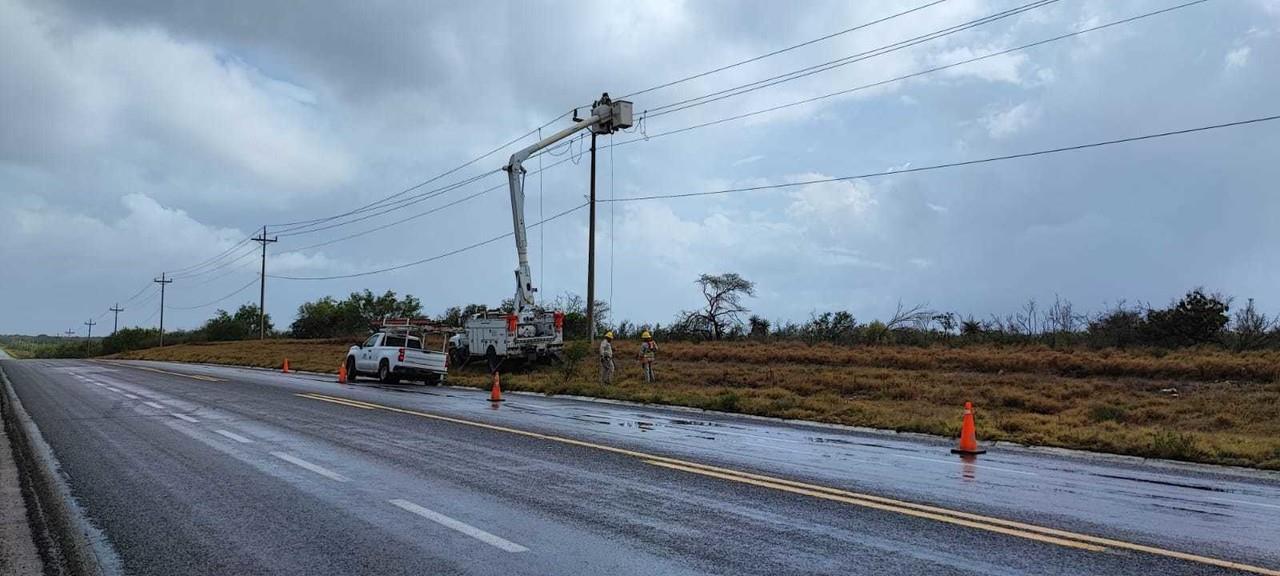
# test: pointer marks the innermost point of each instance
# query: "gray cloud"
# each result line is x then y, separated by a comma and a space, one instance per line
141, 138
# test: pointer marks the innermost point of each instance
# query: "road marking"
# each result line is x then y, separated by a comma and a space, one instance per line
154, 405
184, 417
1245, 502
457, 525
159, 371
129, 396
337, 401
886, 507
112, 389
1020, 529
327, 473
233, 436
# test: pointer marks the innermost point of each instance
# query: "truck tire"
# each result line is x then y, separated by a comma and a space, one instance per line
458, 357
385, 375
351, 369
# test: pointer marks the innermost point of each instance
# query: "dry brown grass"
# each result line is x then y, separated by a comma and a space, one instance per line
1227, 410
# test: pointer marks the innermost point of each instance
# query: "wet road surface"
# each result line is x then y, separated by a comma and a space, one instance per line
211, 470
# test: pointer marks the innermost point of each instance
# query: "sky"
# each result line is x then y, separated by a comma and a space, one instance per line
140, 138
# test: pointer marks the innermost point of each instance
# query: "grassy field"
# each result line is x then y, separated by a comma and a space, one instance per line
1226, 409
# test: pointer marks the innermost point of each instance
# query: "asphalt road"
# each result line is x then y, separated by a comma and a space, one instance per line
206, 470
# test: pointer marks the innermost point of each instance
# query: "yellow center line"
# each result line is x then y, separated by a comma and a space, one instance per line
886, 507
335, 401
956, 517
159, 371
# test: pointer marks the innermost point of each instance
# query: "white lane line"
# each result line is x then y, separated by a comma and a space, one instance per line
129, 396
184, 417
1246, 502
450, 523
233, 436
113, 389
327, 473
154, 405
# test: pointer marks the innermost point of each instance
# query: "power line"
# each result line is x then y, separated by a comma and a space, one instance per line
211, 303
432, 258
211, 260
839, 62
470, 162
782, 50
956, 164
399, 204
421, 214
910, 75
241, 257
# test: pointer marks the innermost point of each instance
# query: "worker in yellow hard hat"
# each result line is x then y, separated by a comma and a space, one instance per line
606, 358
648, 352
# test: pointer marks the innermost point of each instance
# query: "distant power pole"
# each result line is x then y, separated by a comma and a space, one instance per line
115, 324
161, 280
88, 340
69, 333
262, 284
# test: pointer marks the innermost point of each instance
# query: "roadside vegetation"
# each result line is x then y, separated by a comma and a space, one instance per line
1119, 402
1194, 380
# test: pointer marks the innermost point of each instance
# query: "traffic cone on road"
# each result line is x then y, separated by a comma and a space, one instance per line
285, 369
968, 444
342, 373
495, 393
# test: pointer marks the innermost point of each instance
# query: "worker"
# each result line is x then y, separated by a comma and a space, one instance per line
648, 351
606, 358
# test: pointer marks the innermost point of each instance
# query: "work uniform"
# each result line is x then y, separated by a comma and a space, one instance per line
606, 362
648, 351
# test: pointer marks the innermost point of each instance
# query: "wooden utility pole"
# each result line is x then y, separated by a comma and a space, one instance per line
88, 339
115, 324
262, 284
591, 248
161, 280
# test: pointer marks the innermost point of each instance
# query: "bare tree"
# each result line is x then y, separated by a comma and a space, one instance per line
1250, 328
917, 316
723, 293
1028, 320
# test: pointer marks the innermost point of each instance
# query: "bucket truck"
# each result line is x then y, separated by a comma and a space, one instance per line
528, 331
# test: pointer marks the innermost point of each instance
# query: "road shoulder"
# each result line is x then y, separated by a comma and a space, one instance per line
18, 552
67, 542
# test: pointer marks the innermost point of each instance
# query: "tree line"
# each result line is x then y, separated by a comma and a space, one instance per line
1198, 318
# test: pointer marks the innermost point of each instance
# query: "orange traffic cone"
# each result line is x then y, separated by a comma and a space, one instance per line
342, 373
285, 369
495, 393
968, 434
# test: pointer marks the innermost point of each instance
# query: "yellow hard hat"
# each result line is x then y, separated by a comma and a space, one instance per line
609, 335
646, 335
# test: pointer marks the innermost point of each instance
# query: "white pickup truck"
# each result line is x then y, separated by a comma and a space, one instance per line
396, 354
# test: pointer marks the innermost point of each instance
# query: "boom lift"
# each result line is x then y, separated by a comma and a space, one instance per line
528, 331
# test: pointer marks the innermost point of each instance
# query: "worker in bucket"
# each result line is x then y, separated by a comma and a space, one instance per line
606, 358
648, 351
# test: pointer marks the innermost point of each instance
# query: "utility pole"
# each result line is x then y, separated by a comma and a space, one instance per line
69, 333
88, 340
115, 324
161, 280
262, 284
591, 248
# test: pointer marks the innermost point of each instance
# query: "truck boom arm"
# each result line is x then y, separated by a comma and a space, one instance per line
606, 116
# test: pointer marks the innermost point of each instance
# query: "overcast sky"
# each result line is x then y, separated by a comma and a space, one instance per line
138, 139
